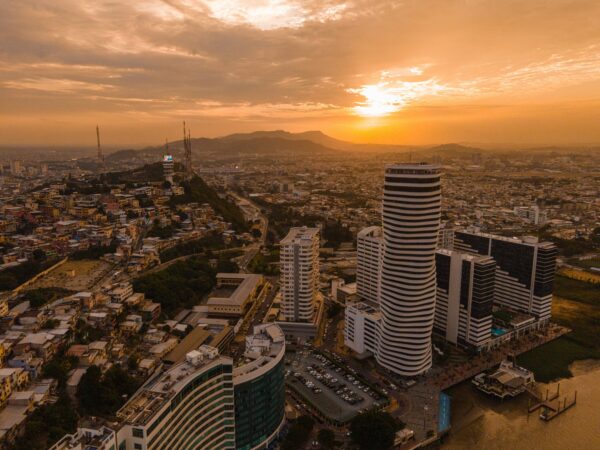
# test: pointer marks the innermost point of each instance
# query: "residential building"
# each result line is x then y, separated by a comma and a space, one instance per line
168, 168
299, 257
465, 294
524, 269
532, 214
361, 330
369, 257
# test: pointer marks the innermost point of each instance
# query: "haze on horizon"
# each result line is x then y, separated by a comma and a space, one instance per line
410, 72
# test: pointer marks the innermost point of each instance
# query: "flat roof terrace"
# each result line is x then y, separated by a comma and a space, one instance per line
234, 288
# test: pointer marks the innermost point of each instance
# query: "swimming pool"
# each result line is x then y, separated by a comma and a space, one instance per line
498, 331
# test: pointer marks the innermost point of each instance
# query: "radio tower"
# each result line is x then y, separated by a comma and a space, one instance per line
187, 146
100, 154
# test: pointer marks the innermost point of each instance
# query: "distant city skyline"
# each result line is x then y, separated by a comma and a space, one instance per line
418, 72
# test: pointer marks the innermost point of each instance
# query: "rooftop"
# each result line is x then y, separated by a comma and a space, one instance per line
300, 234
234, 295
527, 240
267, 344
159, 389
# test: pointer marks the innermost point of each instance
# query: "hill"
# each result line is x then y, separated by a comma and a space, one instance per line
261, 143
196, 190
232, 146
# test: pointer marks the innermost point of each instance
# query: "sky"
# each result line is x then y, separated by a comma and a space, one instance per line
495, 72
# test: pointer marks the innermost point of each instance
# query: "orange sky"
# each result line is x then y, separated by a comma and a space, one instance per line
407, 72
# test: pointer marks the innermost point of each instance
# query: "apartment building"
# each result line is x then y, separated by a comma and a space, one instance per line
524, 269
465, 294
299, 258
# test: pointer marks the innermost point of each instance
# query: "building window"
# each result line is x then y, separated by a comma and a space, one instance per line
138, 433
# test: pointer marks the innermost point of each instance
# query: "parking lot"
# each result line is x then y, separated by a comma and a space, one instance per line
334, 391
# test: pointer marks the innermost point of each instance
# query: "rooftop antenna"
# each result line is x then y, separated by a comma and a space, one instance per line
100, 154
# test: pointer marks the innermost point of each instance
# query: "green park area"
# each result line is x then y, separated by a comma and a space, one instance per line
264, 264
587, 263
181, 285
576, 305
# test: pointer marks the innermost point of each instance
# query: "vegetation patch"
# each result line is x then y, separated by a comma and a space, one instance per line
298, 434
40, 296
264, 263
196, 190
181, 285
95, 251
103, 394
551, 361
577, 290
374, 430
209, 242
13, 277
587, 263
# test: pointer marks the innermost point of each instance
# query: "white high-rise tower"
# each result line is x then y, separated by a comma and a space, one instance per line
411, 221
299, 258
369, 254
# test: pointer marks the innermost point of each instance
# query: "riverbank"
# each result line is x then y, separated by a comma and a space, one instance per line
480, 421
553, 360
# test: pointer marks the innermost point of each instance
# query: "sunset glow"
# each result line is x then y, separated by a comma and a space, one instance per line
439, 71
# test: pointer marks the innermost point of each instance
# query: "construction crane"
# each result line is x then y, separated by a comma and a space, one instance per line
187, 147
100, 154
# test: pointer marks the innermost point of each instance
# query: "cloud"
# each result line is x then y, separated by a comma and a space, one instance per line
55, 85
273, 14
278, 60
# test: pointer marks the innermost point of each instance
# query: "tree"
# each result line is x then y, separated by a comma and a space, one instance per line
196, 190
40, 296
59, 367
39, 254
373, 430
181, 285
89, 391
50, 324
326, 438
133, 361
47, 424
227, 266
298, 433
102, 395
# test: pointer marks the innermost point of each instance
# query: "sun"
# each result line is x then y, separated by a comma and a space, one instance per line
390, 96
379, 101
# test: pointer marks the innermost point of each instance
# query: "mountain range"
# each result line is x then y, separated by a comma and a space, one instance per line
272, 143
264, 142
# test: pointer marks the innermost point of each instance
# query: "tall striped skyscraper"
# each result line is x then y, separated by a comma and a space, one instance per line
411, 221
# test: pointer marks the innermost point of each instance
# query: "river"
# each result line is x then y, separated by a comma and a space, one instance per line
482, 422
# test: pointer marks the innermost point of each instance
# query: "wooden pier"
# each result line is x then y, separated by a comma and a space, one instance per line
550, 404
548, 414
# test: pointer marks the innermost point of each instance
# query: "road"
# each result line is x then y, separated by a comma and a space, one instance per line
252, 212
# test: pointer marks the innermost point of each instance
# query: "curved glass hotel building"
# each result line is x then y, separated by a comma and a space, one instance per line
259, 389
189, 406
204, 402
